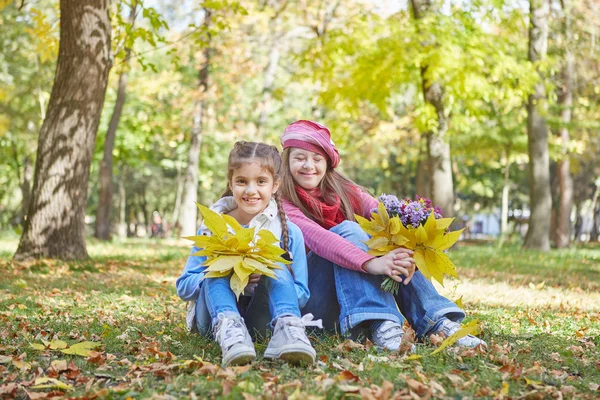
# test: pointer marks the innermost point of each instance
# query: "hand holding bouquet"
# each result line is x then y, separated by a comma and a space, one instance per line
416, 225
233, 249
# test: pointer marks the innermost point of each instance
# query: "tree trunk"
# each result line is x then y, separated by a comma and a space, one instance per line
422, 184
539, 165
595, 215
106, 167
122, 225
56, 217
505, 192
177, 207
26, 185
269, 74
441, 184
565, 100
189, 211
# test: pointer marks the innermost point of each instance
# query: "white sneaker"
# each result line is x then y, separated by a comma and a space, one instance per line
387, 335
235, 341
289, 341
448, 328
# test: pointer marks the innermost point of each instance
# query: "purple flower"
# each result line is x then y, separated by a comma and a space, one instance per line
412, 213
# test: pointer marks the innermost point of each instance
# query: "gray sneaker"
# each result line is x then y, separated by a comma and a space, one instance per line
233, 337
289, 341
387, 335
448, 328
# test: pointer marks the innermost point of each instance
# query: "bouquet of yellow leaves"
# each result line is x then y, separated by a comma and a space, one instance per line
415, 225
233, 249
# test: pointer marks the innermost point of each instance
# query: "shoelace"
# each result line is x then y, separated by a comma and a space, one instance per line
391, 331
297, 325
230, 332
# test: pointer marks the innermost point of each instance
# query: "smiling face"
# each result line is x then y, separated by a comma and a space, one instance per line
252, 187
307, 168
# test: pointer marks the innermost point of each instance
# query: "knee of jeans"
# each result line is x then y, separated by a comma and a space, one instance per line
350, 231
282, 277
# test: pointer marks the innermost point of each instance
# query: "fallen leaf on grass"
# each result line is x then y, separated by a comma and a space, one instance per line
594, 386
22, 365
83, 349
465, 330
348, 388
5, 359
347, 376
8, 389
419, 388
414, 357
349, 345
51, 383
56, 345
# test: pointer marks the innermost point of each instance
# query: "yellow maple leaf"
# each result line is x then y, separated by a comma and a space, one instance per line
468, 329
234, 250
237, 285
213, 221
81, 349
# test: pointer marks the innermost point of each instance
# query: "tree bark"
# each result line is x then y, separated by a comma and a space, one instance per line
505, 193
539, 165
189, 211
56, 217
422, 184
440, 168
565, 100
106, 167
122, 225
271, 69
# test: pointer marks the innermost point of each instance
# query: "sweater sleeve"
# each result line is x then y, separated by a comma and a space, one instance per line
188, 284
368, 203
326, 243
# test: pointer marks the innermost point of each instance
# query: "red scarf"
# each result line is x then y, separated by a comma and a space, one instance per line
314, 201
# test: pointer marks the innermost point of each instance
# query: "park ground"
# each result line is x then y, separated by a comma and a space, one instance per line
540, 314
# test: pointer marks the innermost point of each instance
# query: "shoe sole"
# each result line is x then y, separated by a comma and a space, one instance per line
240, 359
293, 355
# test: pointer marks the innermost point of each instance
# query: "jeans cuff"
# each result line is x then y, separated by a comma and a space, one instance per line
432, 319
352, 320
284, 312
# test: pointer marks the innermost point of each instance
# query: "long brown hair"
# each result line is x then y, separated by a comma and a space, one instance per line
332, 185
269, 159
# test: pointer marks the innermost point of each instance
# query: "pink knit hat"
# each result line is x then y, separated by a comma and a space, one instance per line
311, 136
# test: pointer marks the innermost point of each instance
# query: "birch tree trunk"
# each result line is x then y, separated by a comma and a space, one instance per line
189, 211
56, 218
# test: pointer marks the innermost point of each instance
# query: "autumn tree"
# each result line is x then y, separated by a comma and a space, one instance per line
539, 163
55, 221
188, 213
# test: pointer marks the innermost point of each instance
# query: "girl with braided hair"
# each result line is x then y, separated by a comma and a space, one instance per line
252, 199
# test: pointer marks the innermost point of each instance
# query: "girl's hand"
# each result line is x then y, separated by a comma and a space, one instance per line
393, 264
254, 278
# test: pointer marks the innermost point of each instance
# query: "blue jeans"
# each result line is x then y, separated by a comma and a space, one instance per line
353, 297
278, 296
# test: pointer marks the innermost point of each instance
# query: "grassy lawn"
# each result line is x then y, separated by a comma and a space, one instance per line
540, 316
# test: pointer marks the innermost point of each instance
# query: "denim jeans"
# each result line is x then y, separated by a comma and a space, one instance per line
354, 297
272, 299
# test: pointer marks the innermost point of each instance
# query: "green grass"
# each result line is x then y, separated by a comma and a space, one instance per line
540, 313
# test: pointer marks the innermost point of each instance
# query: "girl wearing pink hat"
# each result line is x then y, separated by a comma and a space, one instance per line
344, 280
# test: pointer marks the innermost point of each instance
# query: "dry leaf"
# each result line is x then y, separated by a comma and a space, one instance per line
83, 349
51, 383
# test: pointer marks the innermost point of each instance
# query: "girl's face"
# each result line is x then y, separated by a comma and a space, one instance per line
252, 187
307, 168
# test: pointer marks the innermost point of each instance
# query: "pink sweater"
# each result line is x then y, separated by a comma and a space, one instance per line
328, 244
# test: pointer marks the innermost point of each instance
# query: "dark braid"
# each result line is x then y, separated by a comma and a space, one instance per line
285, 233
